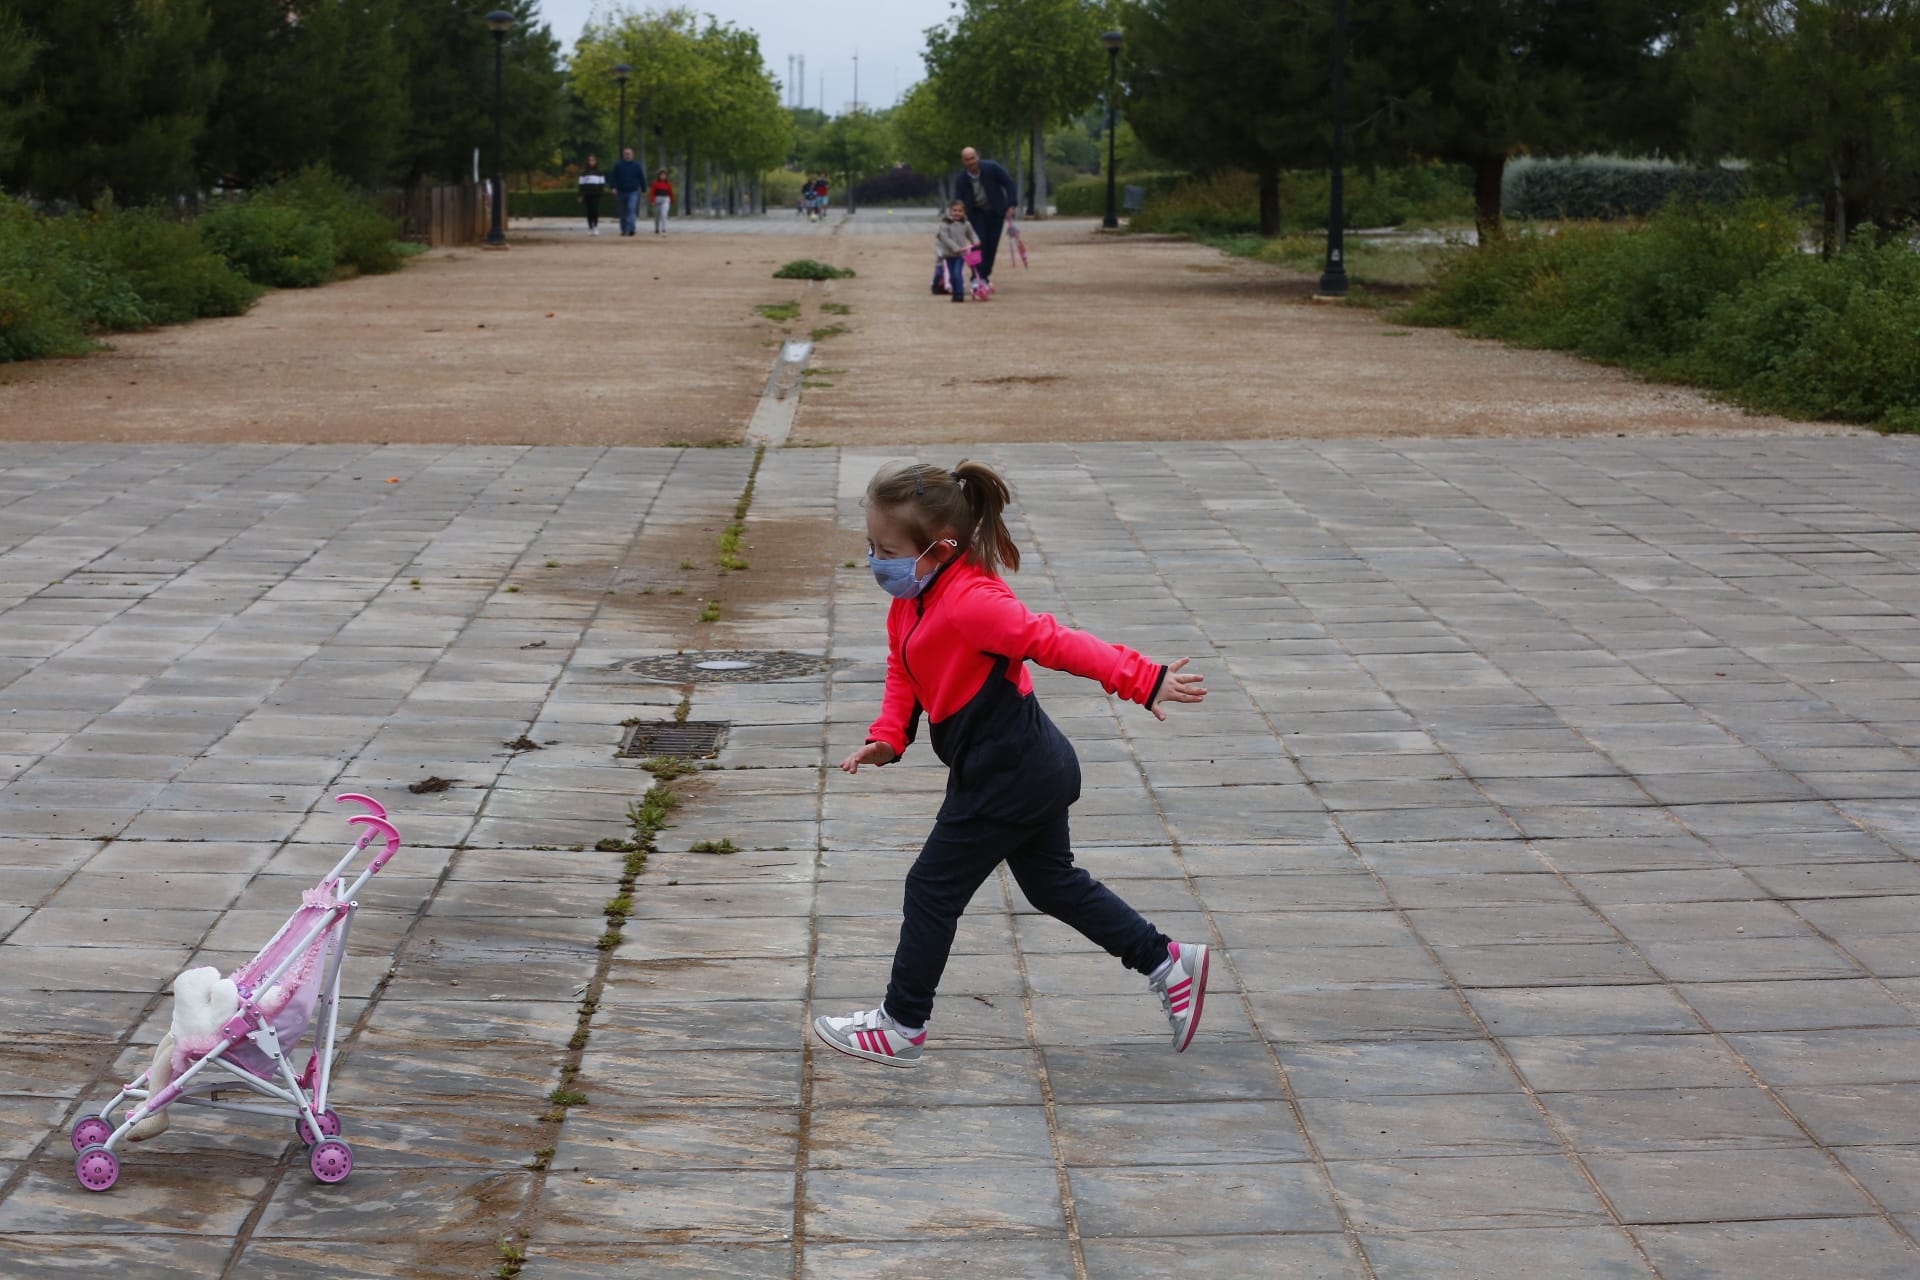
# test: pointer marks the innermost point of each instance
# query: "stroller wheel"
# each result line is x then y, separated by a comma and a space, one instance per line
97, 1168
329, 1126
331, 1161
90, 1131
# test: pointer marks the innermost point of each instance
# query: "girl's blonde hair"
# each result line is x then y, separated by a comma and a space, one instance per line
968, 500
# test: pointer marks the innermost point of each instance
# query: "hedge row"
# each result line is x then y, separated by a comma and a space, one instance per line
1606, 187
65, 279
1228, 204
1719, 296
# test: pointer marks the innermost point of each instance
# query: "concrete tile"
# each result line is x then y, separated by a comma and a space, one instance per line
1592, 1253
1723, 1186
1216, 1199
1778, 1250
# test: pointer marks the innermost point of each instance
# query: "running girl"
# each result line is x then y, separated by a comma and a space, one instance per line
958, 641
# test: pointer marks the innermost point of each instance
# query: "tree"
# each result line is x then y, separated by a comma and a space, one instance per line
1229, 84
928, 136
1018, 65
314, 82
1476, 81
119, 92
1822, 97
17, 52
698, 89
851, 147
447, 52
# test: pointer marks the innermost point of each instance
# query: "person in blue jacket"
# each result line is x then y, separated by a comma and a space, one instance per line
987, 190
629, 180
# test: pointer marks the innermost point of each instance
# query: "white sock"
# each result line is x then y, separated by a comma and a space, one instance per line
912, 1033
1166, 967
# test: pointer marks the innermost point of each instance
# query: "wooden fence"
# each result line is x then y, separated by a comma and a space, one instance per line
443, 215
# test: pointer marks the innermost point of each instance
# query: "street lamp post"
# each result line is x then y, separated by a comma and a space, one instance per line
1333, 280
621, 71
500, 22
1112, 40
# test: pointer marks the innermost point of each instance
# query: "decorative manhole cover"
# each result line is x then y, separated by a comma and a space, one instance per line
725, 666
681, 739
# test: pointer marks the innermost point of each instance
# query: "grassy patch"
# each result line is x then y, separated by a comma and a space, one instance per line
779, 312
811, 269
836, 308
828, 331
1382, 263
709, 612
723, 845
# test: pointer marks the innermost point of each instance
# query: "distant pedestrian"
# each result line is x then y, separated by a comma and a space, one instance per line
593, 185
660, 196
951, 242
628, 178
986, 188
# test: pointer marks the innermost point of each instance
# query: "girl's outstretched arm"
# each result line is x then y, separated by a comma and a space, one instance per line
874, 753
1177, 688
997, 619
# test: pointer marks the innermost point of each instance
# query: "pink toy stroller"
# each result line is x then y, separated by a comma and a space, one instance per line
982, 287
263, 1010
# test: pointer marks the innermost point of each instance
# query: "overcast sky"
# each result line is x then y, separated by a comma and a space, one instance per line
887, 34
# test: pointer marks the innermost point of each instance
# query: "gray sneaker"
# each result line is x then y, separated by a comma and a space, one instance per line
872, 1035
1183, 991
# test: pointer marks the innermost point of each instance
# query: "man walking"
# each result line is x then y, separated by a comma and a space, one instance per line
987, 190
628, 179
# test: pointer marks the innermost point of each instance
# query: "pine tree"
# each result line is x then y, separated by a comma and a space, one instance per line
120, 90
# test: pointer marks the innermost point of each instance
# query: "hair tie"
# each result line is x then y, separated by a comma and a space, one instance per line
956, 477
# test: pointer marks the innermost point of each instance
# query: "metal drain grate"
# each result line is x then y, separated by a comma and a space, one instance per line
724, 666
683, 740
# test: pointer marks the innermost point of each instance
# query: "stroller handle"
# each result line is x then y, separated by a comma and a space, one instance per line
368, 803
380, 827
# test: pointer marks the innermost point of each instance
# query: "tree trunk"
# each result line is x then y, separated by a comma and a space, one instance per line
1019, 177
1270, 201
1039, 167
1488, 175
1836, 214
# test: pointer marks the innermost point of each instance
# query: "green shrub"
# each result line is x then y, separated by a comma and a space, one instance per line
1822, 339
564, 203
270, 244
1635, 295
163, 260
1228, 204
1603, 187
53, 294
364, 238
1087, 197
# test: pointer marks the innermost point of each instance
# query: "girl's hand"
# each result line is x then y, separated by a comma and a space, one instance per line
1175, 688
874, 753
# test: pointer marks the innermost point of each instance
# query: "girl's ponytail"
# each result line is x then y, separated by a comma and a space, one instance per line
987, 495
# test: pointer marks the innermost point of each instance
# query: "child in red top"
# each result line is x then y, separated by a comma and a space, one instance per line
660, 196
958, 641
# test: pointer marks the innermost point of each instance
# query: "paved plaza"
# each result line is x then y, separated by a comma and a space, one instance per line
1554, 815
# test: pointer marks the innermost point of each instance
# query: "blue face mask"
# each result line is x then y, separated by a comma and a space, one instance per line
896, 576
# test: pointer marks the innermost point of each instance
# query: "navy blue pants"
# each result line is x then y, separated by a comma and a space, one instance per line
988, 226
953, 864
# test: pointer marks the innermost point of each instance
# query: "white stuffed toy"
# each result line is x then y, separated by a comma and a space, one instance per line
203, 1003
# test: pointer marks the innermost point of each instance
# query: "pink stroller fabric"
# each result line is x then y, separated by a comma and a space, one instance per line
288, 1004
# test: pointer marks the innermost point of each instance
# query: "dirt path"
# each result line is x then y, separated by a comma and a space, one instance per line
563, 341
570, 340
1155, 338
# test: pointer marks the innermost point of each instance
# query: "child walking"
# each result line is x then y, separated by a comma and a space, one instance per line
958, 641
950, 242
660, 195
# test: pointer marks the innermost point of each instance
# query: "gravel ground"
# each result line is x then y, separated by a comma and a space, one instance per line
577, 341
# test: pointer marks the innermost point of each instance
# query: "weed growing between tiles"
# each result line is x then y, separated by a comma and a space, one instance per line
731, 535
